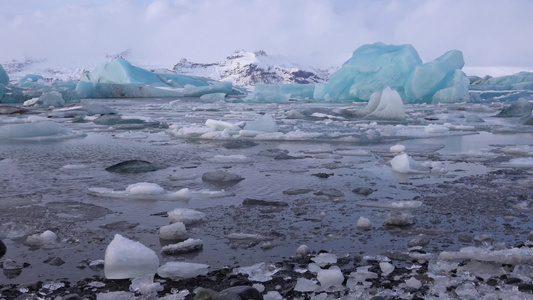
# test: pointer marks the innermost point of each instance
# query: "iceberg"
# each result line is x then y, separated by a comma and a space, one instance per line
4, 78
370, 69
120, 79
518, 81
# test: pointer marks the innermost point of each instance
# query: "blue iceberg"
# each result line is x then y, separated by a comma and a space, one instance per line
518, 81
120, 79
374, 67
4, 79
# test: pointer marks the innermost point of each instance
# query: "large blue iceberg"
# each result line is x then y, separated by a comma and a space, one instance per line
4, 79
120, 79
374, 67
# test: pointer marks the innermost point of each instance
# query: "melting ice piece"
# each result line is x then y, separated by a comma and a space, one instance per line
214, 97
125, 258
260, 272
47, 239
47, 99
39, 131
221, 125
392, 204
386, 268
404, 164
181, 270
185, 215
397, 148
142, 191
364, 223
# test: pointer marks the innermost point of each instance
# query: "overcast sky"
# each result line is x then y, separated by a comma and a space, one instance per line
313, 32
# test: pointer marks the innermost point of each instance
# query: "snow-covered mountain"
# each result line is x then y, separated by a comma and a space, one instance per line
244, 68
17, 69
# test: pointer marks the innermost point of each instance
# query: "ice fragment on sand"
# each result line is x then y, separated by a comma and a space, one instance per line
402, 163
185, 215
331, 277
386, 268
303, 251
47, 239
413, 283
125, 258
513, 256
182, 270
324, 259
260, 272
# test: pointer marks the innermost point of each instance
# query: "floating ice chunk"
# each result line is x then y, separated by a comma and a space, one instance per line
512, 256
364, 223
386, 268
39, 131
247, 236
390, 106
399, 219
185, 215
433, 128
119, 295
525, 150
354, 152
221, 177
260, 272
397, 149
174, 231
214, 97
331, 277
47, 99
324, 259
236, 159
125, 258
187, 246
264, 124
74, 167
402, 163
47, 239
521, 162
145, 188
221, 125
182, 270
141, 191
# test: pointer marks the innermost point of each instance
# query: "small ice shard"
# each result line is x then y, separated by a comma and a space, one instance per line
185, 215
119, 295
248, 236
413, 283
187, 246
512, 256
305, 285
399, 219
397, 148
386, 268
146, 286
362, 274
324, 259
235, 159
125, 258
264, 124
434, 128
364, 223
331, 277
260, 272
182, 270
175, 231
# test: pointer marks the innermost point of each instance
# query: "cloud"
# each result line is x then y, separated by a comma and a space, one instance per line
160, 32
